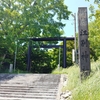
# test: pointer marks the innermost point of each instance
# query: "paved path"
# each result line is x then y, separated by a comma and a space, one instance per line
29, 86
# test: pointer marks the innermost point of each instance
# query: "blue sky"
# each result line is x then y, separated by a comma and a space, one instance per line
73, 7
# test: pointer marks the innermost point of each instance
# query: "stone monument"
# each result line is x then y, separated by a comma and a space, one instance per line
84, 50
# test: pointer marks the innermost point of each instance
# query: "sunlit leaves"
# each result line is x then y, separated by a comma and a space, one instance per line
30, 18
94, 33
95, 1
31, 14
94, 28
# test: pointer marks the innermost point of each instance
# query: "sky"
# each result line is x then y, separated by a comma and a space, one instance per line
73, 7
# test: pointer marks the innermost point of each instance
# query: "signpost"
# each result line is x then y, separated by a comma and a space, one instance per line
84, 51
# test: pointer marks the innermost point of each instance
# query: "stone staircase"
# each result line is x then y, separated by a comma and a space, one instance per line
29, 86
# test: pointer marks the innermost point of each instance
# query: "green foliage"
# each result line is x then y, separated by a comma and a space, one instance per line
70, 46
55, 55
32, 19
28, 18
94, 30
94, 38
95, 1
40, 61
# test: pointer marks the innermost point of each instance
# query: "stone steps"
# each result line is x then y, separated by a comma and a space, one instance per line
22, 99
29, 86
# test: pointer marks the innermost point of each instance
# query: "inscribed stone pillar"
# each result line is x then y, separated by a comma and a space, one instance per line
84, 51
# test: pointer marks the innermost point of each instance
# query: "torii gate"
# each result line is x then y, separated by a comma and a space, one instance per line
50, 46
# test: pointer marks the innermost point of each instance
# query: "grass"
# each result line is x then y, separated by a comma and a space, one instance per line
14, 72
88, 89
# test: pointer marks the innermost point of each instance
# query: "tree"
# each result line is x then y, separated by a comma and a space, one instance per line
30, 18
70, 46
95, 1
94, 30
55, 55
94, 39
40, 61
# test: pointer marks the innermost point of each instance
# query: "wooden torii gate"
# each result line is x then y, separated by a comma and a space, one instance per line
49, 46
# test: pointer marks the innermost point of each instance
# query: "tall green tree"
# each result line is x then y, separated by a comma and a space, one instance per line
94, 38
94, 30
30, 18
